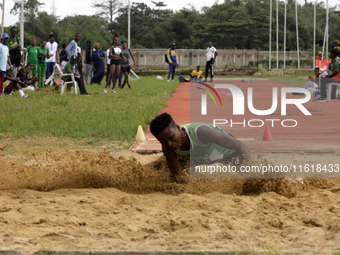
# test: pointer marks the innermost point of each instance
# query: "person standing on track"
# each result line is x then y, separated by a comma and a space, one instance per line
211, 56
173, 61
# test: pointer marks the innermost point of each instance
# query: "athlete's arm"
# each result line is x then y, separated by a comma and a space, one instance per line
174, 165
208, 135
17, 79
134, 61
122, 55
169, 58
111, 49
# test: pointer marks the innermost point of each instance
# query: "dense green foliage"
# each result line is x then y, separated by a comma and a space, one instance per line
234, 23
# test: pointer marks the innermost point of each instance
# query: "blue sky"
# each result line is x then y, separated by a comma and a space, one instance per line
84, 7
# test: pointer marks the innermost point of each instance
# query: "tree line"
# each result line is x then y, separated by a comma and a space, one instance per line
240, 24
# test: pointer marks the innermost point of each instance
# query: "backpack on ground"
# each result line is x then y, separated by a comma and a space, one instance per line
182, 79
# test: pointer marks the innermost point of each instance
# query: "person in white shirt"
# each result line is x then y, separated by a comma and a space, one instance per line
4, 59
52, 46
211, 56
108, 62
79, 62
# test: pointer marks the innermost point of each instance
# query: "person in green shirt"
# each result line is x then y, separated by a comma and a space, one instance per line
200, 141
32, 51
70, 69
43, 53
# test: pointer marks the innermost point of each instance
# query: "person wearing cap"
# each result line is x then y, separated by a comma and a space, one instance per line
333, 77
14, 50
88, 61
173, 61
70, 68
52, 47
4, 59
211, 55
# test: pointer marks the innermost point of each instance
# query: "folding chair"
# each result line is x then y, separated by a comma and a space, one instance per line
329, 89
63, 83
317, 93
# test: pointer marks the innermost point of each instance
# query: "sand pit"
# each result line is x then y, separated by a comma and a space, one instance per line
127, 206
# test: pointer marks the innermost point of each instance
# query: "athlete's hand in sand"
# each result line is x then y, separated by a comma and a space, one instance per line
181, 179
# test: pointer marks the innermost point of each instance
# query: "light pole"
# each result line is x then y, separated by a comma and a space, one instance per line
314, 35
297, 35
3, 17
284, 39
270, 36
129, 21
327, 13
277, 34
21, 21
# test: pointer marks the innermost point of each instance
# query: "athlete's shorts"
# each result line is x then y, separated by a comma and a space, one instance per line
115, 62
126, 69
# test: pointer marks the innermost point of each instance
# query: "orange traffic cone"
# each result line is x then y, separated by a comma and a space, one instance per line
266, 135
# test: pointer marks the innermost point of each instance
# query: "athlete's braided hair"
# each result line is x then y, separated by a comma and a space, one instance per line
160, 123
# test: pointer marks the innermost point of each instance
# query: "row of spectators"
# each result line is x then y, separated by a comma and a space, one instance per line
42, 61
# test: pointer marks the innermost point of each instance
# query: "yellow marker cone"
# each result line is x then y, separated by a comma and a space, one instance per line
140, 134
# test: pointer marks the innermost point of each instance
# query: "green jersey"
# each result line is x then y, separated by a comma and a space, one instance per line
42, 59
32, 54
69, 66
336, 64
199, 150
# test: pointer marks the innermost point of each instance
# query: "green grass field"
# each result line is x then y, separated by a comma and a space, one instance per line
100, 117
48, 120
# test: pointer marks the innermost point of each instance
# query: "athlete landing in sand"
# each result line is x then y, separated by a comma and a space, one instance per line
199, 140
